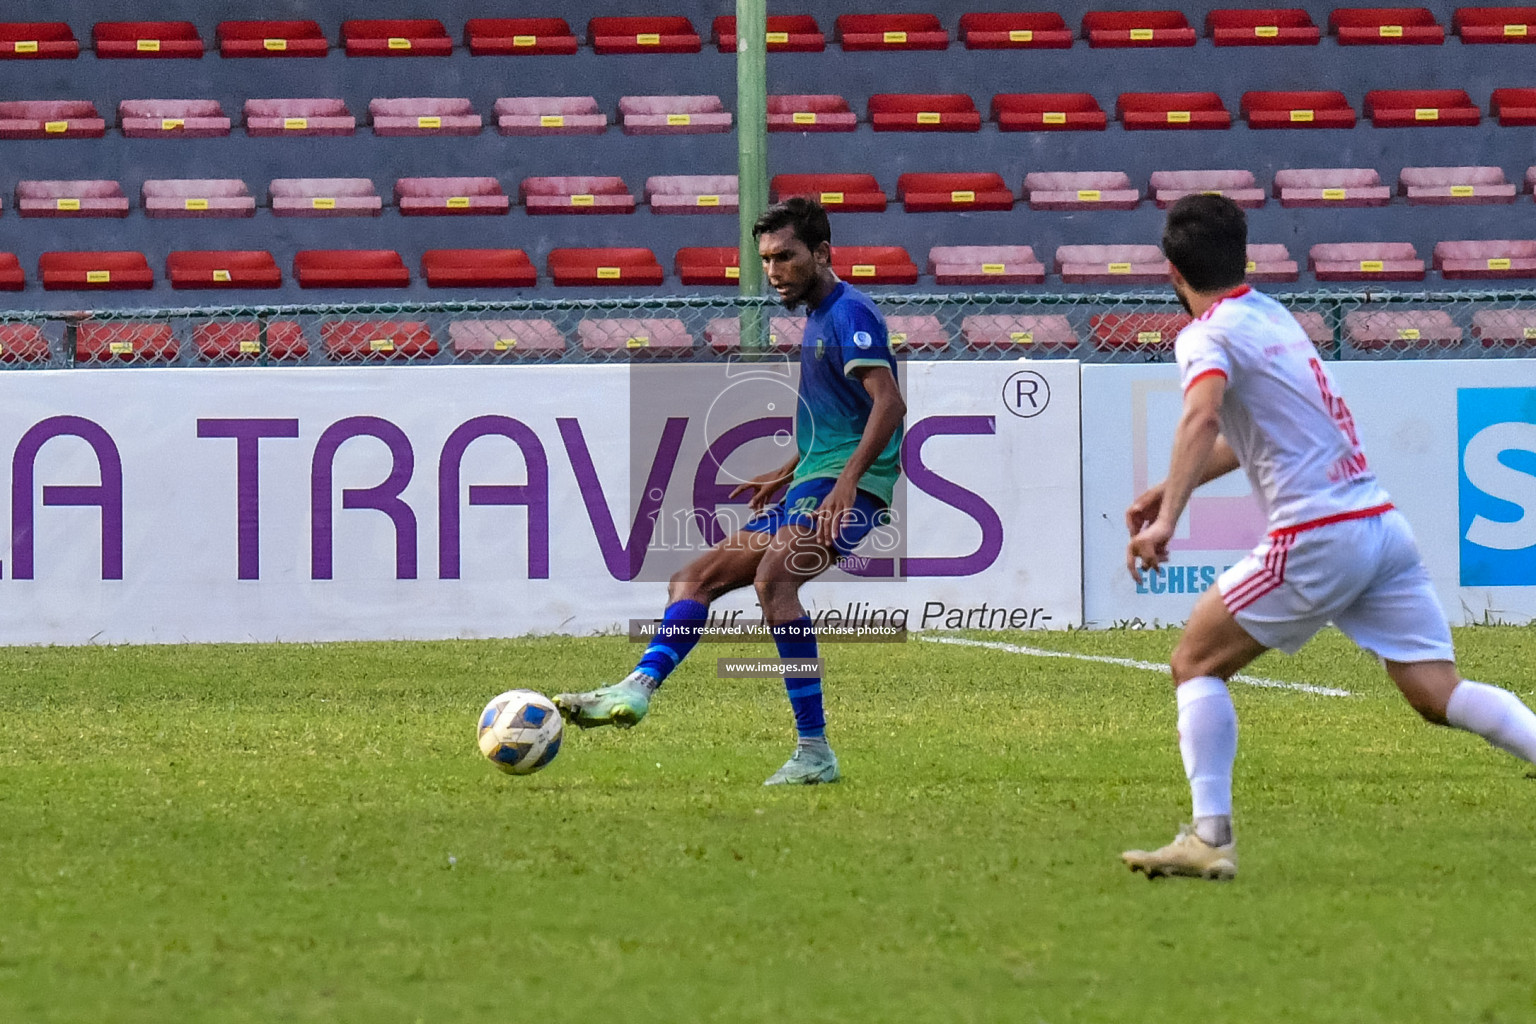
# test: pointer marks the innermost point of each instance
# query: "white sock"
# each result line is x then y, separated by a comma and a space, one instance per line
1208, 741
1496, 715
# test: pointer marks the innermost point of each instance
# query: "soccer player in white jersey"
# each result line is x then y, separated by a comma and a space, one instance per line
1256, 396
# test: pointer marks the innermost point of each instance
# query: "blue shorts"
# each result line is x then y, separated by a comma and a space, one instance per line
799, 506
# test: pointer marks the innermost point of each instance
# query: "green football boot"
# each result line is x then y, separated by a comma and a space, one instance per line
809, 765
622, 704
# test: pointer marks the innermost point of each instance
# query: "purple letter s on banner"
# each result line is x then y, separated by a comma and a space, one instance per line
952, 494
384, 497
108, 495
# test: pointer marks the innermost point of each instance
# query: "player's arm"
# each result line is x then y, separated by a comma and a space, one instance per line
765, 485
1194, 444
1145, 508
884, 420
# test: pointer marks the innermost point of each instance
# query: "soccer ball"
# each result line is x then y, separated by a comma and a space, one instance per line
520, 731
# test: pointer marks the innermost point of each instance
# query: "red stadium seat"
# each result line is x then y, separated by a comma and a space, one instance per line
94, 271
848, 193
1505, 328
204, 269
23, 343
921, 333
70, 199
517, 37
197, 197
436, 197
478, 268
377, 339
1111, 264
1047, 111
1330, 186
1297, 109
1168, 187
419, 116
1152, 332
1171, 110
1485, 260
1042, 30
265, 118
50, 119
891, 32
693, 193
12, 277
1267, 26
673, 115
1015, 332
508, 338
873, 264
576, 195
324, 197
396, 37
810, 114
787, 33
1271, 263
37, 40
647, 337
271, 39
606, 266
1366, 261
146, 39
1455, 186
911, 112
350, 268
1363, 26
1137, 28
1514, 106
1080, 190
982, 190
549, 115
1405, 330
650, 34
708, 264
723, 334
126, 341
1495, 24
250, 340
1398, 108
167, 119
985, 264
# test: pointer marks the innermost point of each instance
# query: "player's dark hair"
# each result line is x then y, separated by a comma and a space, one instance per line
806, 216
1206, 239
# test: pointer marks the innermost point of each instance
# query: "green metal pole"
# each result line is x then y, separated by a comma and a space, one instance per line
752, 153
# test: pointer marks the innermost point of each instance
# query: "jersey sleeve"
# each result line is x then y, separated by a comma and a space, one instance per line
863, 339
1200, 354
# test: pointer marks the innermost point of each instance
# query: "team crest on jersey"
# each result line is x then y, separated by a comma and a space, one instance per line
821, 348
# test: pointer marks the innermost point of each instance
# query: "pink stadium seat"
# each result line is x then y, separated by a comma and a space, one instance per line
418, 116
1514, 106
1455, 186
1361, 26
271, 39
70, 199
197, 197
723, 334
250, 340
981, 190
1480, 260
396, 37
1315, 326
450, 196
549, 115
673, 115
810, 114
298, 117
891, 32
847, 193
1148, 331
1080, 190
912, 112
1168, 187
112, 341
692, 193
350, 268
508, 338
1172, 110
650, 34
786, 33
1399, 108
920, 333
1297, 109
985, 264
50, 119
203, 269
37, 40
146, 39
604, 266
517, 37
1365, 261
1330, 186
165, 119
94, 271
1267, 26
1505, 328
12, 277
1042, 30
1030, 332
873, 264
708, 264
1047, 112
645, 337
1530, 180
23, 343
377, 339
324, 197
1137, 28
1271, 263
1495, 24
1111, 264
1405, 330
583, 195
478, 268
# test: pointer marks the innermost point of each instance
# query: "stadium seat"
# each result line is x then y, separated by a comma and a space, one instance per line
576, 195
478, 268
1080, 190
846, 193
1495, 24
920, 333
146, 39
1485, 260
517, 37
549, 115
1036, 30
787, 33
165, 119
12, 277
1401, 330
711, 264
643, 337
351, 340
396, 37
981, 190
1315, 326
911, 112
1266, 26
1168, 187
271, 39
50, 119
1033, 332
265, 118
1271, 263
1365, 261
1330, 186
126, 341
1047, 111
417, 116
1455, 186
203, 269
605, 266
94, 271
510, 338
692, 193
1142, 110
1153, 332
1505, 328
37, 40
250, 340
1513, 106
650, 34
810, 114
435, 197
197, 197
1400, 108
1137, 28
70, 199
324, 197
985, 264
873, 264
890, 32
1530, 180
673, 115
23, 343
723, 333
1111, 264
1363, 26
1297, 109
350, 268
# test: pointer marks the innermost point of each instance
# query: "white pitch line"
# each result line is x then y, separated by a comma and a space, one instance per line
1150, 666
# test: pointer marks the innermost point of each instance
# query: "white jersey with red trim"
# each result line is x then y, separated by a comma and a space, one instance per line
1281, 412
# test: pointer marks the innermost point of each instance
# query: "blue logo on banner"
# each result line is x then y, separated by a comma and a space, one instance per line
1496, 435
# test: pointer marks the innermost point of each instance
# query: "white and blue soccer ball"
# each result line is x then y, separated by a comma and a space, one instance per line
520, 731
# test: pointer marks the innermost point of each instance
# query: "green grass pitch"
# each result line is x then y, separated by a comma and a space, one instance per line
307, 833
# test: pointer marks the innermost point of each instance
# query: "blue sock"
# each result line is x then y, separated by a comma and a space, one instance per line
680, 627
797, 639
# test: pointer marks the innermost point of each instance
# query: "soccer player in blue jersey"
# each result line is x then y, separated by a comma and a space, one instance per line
848, 428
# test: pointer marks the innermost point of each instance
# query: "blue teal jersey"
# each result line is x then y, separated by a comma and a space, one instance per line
842, 334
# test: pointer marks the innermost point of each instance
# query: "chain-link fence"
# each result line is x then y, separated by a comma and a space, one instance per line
1108, 326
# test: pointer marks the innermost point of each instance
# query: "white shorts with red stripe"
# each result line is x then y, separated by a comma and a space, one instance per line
1362, 574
